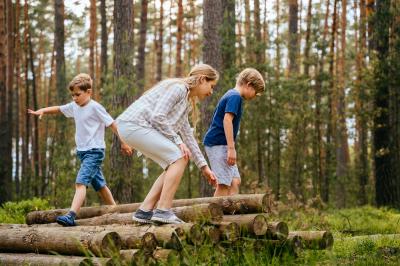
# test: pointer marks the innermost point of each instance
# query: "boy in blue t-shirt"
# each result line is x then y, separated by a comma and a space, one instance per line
220, 138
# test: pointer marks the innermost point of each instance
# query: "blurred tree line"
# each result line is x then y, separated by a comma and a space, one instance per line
327, 126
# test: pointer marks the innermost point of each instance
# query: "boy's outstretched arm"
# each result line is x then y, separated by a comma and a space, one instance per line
228, 129
125, 148
46, 110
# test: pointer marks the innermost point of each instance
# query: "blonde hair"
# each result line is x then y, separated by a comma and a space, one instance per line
83, 81
193, 80
252, 76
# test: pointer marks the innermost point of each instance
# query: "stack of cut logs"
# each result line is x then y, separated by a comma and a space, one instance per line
106, 234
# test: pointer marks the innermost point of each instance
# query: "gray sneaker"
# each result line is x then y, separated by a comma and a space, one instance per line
166, 217
143, 217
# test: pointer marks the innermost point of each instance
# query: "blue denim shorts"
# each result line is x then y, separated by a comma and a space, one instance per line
90, 172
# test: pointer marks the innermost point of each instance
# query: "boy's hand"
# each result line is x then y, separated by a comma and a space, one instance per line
126, 149
185, 151
211, 178
38, 112
231, 156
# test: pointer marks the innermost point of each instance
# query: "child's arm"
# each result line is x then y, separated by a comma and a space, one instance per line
228, 129
46, 110
126, 149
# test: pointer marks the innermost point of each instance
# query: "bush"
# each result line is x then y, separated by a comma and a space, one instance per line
15, 212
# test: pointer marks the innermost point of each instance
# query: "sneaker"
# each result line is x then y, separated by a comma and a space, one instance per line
143, 217
66, 220
166, 217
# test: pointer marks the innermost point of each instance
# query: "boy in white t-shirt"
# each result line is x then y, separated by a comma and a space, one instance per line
90, 121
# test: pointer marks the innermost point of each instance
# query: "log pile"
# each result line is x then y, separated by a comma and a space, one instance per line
106, 235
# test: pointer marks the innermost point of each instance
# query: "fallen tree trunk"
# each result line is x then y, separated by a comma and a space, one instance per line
194, 232
146, 237
58, 240
277, 231
18, 259
314, 239
197, 213
253, 224
237, 204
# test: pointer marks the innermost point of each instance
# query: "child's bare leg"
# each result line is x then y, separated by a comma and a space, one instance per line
106, 196
222, 190
234, 188
154, 194
172, 178
79, 197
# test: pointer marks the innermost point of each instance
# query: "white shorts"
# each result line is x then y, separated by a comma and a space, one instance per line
217, 155
150, 142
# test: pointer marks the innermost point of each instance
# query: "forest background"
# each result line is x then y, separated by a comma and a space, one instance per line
326, 130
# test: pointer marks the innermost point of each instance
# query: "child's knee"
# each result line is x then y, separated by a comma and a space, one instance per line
236, 182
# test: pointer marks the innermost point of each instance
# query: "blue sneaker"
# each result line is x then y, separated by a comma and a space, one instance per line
66, 220
166, 217
143, 217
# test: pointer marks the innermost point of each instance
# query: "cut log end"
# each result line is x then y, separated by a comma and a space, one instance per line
106, 243
149, 242
260, 225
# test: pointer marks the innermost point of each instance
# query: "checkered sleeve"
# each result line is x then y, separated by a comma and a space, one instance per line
189, 139
161, 112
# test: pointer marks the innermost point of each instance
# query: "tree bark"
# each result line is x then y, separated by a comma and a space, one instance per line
160, 43
5, 133
17, 259
125, 184
250, 224
179, 30
92, 41
230, 231
314, 239
140, 67
61, 241
104, 43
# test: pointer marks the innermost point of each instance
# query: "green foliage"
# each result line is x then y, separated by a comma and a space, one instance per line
14, 212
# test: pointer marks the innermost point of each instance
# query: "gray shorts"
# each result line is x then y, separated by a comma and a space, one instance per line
217, 155
150, 142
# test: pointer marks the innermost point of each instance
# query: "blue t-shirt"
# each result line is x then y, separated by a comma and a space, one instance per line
231, 102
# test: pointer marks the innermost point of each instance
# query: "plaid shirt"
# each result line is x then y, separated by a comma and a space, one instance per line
165, 108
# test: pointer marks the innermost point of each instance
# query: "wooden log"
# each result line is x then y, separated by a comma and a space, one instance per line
237, 204
212, 233
277, 231
229, 230
250, 224
58, 240
199, 213
167, 256
18, 259
146, 237
315, 239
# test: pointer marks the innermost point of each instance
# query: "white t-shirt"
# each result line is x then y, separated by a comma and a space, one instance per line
90, 123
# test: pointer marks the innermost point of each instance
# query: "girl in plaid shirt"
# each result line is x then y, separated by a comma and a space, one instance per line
157, 125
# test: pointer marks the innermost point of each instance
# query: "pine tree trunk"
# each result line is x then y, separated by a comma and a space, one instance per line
140, 67
342, 147
179, 29
5, 159
104, 43
160, 43
126, 184
17, 99
92, 40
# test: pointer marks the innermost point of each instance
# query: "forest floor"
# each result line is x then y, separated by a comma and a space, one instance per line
362, 236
